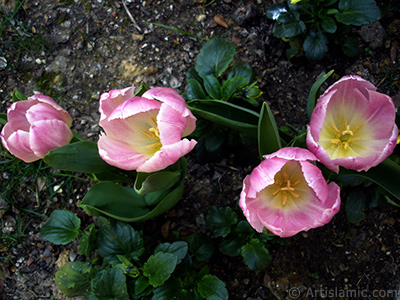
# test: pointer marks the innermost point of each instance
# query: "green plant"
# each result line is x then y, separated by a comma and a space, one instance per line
309, 25
126, 269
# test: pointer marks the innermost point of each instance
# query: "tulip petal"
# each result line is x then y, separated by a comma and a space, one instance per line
44, 111
119, 154
292, 153
133, 107
167, 156
17, 142
16, 115
170, 124
264, 174
47, 135
109, 101
313, 175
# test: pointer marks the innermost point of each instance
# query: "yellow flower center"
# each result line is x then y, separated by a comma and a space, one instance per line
343, 138
285, 188
154, 134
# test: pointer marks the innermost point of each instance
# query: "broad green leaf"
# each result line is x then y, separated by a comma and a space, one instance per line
241, 69
142, 89
356, 202
268, 134
88, 241
192, 74
3, 119
232, 246
356, 12
212, 86
255, 255
178, 248
18, 96
141, 284
147, 183
125, 204
215, 140
329, 25
172, 289
288, 25
315, 46
315, 91
201, 247
194, 90
73, 278
214, 57
231, 86
350, 47
212, 288
77, 157
61, 228
118, 238
110, 284
159, 268
275, 10
245, 228
220, 220
226, 114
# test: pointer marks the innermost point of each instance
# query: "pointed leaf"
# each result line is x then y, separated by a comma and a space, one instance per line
315, 91
268, 134
142, 89
61, 228
232, 85
18, 96
214, 57
156, 181
88, 241
194, 90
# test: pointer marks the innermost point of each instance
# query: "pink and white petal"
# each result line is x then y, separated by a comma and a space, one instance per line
133, 107
109, 101
314, 178
119, 154
319, 113
190, 125
320, 152
351, 82
167, 156
171, 125
264, 174
292, 153
43, 111
16, 114
47, 135
45, 99
18, 145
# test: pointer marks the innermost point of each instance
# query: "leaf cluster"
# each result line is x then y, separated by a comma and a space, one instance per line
121, 266
309, 25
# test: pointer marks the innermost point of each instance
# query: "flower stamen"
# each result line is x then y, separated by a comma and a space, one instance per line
286, 187
345, 137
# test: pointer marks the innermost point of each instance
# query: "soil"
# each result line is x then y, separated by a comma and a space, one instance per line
77, 50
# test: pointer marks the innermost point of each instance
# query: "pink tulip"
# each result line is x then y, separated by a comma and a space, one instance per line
352, 126
144, 133
35, 126
287, 194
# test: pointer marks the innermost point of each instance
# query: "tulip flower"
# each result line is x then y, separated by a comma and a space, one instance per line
287, 194
352, 126
35, 126
144, 133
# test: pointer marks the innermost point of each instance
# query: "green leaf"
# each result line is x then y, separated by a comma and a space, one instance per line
118, 239
226, 114
77, 157
3, 119
350, 47
356, 202
275, 10
212, 288
172, 289
268, 134
315, 91
178, 248
194, 90
231, 86
151, 182
110, 284
255, 255
73, 278
288, 25
88, 241
18, 96
215, 140
315, 46
201, 247
61, 228
214, 57
232, 247
141, 284
142, 89
329, 25
220, 220
356, 12
212, 86
241, 69
159, 268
